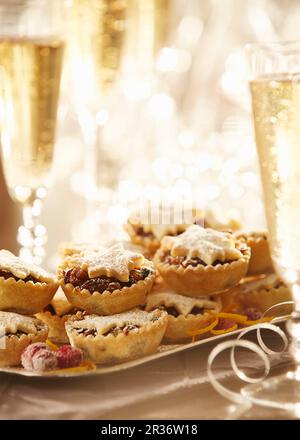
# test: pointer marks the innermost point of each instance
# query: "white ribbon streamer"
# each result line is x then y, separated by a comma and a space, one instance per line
276, 306
260, 349
224, 391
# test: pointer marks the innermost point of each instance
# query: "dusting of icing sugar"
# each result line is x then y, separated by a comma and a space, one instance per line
170, 220
104, 323
115, 261
12, 323
268, 282
71, 248
207, 244
159, 231
21, 269
183, 304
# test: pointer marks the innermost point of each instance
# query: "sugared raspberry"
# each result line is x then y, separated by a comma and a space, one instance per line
45, 360
39, 357
28, 353
68, 356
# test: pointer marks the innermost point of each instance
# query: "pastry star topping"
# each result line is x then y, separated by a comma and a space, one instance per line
20, 269
103, 323
267, 283
60, 304
160, 231
12, 323
183, 304
207, 244
114, 262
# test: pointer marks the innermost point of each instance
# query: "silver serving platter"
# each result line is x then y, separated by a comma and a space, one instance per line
163, 351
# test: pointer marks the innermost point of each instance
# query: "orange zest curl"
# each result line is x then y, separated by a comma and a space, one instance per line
223, 331
259, 321
51, 345
203, 330
240, 319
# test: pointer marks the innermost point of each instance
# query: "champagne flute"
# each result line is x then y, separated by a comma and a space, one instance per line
275, 91
107, 37
31, 53
96, 34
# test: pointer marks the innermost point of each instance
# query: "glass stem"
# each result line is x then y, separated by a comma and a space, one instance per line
91, 190
32, 236
293, 327
92, 169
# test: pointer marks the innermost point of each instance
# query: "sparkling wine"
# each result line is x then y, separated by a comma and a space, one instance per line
30, 72
96, 37
276, 110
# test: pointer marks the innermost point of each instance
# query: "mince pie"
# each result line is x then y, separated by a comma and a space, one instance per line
68, 249
118, 338
106, 282
16, 333
170, 221
184, 313
24, 288
72, 248
261, 293
260, 261
202, 261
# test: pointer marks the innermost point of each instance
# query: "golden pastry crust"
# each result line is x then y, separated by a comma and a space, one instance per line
262, 293
13, 345
179, 326
202, 280
147, 236
23, 297
56, 325
111, 349
115, 262
20, 269
260, 261
60, 304
151, 244
55, 316
67, 249
24, 288
109, 303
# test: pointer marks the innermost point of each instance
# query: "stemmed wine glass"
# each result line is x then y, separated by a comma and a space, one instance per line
31, 56
107, 39
275, 91
96, 36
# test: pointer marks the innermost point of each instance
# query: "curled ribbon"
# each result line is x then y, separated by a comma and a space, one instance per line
260, 349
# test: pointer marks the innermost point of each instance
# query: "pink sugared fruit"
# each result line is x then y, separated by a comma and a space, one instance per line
69, 356
39, 357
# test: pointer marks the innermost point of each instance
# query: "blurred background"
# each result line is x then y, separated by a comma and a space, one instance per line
174, 119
